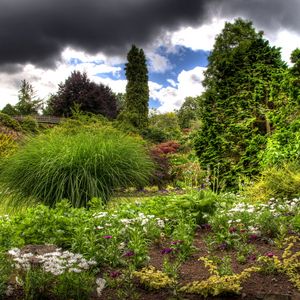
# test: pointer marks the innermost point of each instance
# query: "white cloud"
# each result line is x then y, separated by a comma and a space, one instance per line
287, 41
172, 82
198, 38
189, 83
158, 63
45, 81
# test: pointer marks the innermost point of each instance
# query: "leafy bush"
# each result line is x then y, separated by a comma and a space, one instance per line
168, 147
277, 182
161, 175
283, 145
30, 124
9, 122
76, 165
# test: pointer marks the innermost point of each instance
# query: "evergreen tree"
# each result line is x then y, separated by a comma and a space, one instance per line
78, 90
137, 90
28, 104
241, 86
9, 110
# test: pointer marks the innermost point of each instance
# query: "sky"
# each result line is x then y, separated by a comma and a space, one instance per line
43, 41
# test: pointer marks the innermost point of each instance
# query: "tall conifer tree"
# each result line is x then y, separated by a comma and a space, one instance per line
137, 90
240, 92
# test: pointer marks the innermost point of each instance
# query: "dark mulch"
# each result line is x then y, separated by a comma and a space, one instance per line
258, 286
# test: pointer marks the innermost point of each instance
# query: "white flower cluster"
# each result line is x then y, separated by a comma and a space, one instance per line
101, 214
56, 262
242, 207
140, 219
100, 282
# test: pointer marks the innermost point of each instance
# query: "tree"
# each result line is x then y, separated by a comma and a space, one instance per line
241, 87
188, 112
28, 104
137, 90
162, 127
78, 90
9, 110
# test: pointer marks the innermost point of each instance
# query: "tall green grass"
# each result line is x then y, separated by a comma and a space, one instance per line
76, 164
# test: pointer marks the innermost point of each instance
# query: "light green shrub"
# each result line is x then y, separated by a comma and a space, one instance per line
78, 165
30, 124
277, 182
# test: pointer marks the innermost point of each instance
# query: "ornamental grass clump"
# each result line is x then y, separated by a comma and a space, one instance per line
77, 165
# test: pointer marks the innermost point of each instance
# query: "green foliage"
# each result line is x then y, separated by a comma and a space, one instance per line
76, 164
36, 284
27, 104
241, 85
78, 90
30, 124
7, 145
277, 182
9, 110
137, 90
189, 111
75, 286
7, 121
162, 128
5, 273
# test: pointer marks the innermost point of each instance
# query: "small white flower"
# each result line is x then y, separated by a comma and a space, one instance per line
74, 270
100, 285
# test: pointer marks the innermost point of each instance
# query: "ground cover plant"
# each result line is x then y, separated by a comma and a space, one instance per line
156, 247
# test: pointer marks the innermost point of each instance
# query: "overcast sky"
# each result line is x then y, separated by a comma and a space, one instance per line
42, 41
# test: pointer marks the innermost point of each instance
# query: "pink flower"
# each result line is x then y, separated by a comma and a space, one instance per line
128, 253
166, 250
270, 254
107, 237
176, 242
232, 229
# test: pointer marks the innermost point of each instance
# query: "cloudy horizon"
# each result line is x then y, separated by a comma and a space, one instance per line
44, 41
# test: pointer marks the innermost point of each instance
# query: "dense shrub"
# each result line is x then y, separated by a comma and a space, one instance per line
277, 182
30, 124
8, 121
169, 147
160, 156
283, 145
161, 175
76, 164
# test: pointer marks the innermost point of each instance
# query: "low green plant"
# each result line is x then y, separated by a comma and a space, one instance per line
70, 285
37, 283
89, 162
5, 273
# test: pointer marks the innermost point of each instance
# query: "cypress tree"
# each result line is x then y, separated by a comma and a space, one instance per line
137, 90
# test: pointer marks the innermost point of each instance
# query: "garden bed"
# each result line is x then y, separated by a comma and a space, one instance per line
258, 286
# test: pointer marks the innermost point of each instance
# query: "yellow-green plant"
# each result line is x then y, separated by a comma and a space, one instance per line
289, 263
153, 279
7, 145
217, 284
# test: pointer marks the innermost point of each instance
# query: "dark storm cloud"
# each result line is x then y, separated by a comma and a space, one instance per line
271, 15
37, 30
